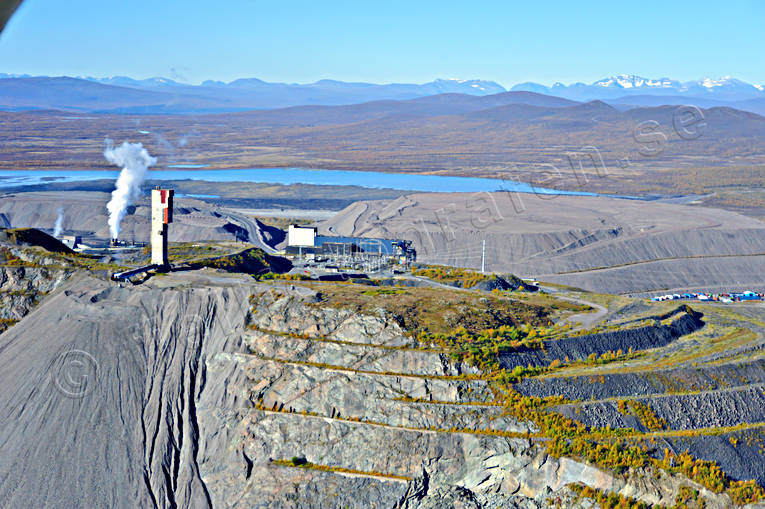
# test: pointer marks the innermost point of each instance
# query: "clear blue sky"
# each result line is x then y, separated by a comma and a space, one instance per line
392, 41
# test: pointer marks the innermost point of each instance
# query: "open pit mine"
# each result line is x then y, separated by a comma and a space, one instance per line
208, 387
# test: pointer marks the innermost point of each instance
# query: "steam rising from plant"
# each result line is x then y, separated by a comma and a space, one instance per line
134, 161
59, 226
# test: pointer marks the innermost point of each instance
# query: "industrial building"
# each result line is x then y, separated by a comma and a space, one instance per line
71, 241
303, 241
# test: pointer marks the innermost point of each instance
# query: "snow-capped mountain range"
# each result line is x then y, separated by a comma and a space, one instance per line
121, 94
727, 88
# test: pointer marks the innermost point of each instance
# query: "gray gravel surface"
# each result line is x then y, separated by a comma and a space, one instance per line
643, 246
641, 384
744, 405
743, 461
99, 400
580, 347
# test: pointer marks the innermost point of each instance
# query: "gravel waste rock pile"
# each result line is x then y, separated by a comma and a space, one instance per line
596, 243
101, 388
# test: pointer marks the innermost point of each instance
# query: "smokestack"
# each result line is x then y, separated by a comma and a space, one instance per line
59, 227
134, 161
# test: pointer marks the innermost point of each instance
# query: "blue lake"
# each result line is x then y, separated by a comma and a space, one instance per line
400, 181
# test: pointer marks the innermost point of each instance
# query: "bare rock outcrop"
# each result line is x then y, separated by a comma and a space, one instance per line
21, 288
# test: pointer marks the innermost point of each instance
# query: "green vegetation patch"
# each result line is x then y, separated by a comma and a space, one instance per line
250, 261
7, 323
434, 310
8, 259
644, 413
607, 500
54, 260
620, 456
191, 251
460, 277
482, 348
270, 276
384, 291
282, 222
464, 278
687, 498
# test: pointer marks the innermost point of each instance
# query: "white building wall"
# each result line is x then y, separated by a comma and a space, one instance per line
301, 236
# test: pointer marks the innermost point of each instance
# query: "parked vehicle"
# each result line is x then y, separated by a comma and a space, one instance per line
705, 297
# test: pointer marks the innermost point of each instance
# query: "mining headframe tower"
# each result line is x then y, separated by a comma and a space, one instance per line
161, 217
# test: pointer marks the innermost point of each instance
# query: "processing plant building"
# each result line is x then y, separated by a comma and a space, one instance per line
305, 241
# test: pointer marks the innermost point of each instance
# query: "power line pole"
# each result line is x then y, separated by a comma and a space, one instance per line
483, 257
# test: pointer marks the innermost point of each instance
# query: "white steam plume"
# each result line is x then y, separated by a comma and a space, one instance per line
134, 161
59, 227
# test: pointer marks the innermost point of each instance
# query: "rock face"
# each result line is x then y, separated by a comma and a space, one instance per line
161, 396
355, 398
21, 288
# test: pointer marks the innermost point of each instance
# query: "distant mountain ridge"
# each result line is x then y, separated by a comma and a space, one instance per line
125, 95
439, 86
724, 89
162, 95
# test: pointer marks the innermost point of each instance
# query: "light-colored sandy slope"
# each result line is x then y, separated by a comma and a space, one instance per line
571, 239
85, 213
713, 274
